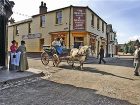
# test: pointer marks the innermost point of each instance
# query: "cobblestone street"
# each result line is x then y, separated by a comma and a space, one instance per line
98, 84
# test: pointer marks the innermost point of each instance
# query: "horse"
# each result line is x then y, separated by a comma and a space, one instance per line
80, 55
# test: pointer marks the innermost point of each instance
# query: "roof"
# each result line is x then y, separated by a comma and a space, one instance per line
21, 22
69, 7
30, 19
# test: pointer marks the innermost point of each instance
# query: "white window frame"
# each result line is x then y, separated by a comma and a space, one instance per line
59, 17
42, 21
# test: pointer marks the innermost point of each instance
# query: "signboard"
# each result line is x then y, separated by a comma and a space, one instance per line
79, 18
32, 36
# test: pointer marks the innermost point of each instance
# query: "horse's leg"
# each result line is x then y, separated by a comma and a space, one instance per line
72, 64
81, 66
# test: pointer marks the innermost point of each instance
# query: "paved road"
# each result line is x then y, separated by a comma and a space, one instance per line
97, 84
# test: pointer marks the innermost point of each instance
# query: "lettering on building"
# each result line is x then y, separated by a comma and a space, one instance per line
31, 36
79, 18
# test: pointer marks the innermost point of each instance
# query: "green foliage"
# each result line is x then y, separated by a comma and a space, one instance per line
129, 47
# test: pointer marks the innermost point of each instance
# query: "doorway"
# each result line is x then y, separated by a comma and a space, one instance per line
41, 44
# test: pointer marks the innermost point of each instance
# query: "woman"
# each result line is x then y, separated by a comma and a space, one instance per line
23, 63
13, 49
59, 47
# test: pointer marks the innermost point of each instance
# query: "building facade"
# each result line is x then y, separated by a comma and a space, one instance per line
76, 25
5, 12
112, 41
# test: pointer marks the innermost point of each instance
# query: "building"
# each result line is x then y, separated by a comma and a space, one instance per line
112, 41
75, 24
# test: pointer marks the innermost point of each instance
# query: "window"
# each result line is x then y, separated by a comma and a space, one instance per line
98, 23
29, 27
42, 21
92, 20
59, 17
17, 31
111, 37
78, 41
102, 26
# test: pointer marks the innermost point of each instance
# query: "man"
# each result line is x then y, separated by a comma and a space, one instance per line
137, 60
101, 53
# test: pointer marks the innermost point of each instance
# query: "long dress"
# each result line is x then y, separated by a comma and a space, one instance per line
23, 64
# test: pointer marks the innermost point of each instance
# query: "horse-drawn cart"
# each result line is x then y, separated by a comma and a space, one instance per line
50, 54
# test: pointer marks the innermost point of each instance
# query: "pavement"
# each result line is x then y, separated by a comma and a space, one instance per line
6, 75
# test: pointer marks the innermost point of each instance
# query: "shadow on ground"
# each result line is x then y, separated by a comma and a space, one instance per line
93, 70
126, 62
46, 92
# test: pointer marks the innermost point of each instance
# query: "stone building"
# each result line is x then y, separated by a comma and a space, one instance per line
112, 41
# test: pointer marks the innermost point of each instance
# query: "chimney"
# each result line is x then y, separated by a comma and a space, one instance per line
43, 8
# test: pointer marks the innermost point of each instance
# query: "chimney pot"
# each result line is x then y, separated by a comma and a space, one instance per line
44, 4
41, 3
43, 8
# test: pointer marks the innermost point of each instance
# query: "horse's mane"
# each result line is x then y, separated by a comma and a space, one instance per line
83, 50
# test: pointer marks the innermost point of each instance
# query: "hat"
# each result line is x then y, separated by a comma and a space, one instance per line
13, 41
101, 46
22, 42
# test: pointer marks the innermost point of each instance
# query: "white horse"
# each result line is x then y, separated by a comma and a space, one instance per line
79, 54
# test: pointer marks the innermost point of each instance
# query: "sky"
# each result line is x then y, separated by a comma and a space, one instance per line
122, 14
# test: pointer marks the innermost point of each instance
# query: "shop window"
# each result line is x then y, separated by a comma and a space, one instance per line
78, 41
59, 17
42, 21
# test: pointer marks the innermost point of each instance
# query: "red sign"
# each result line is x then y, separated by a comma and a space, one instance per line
79, 18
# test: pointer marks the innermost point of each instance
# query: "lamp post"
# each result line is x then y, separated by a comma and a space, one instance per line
70, 27
5, 12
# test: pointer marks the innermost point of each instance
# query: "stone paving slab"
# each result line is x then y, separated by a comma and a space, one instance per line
6, 75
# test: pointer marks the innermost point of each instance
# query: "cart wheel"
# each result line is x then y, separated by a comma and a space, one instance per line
45, 58
55, 60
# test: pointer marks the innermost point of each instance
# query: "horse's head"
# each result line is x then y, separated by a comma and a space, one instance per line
83, 50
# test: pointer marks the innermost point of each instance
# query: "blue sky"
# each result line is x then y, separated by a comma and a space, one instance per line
122, 14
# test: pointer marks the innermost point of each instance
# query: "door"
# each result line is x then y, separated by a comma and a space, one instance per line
41, 44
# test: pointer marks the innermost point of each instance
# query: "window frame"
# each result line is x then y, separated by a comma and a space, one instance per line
42, 21
29, 28
92, 20
103, 26
58, 18
98, 23
17, 30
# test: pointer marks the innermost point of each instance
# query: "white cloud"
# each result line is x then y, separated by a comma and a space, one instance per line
135, 37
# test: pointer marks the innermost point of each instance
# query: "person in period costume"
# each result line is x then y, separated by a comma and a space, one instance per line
101, 53
23, 63
136, 60
13, 49
54, 42
57, 45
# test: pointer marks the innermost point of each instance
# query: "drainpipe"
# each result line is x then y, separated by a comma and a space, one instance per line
70, 27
